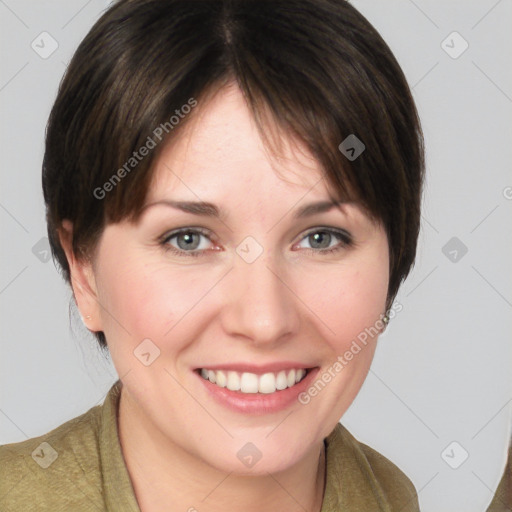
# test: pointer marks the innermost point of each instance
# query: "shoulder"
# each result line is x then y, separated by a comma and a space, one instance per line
502, 499
60, 469
395, 484
387, 484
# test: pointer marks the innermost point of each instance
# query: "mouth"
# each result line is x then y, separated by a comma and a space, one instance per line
252, 383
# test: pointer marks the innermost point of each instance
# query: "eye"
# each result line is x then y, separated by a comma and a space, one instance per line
196, 241
326, 240
187, 242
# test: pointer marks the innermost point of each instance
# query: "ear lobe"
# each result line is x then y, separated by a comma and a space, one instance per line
82, 280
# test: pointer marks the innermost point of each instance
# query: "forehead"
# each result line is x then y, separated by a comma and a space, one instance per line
220, 148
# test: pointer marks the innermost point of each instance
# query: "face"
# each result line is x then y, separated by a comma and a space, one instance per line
252, 291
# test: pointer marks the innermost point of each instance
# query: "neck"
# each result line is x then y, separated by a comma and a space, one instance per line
164, 474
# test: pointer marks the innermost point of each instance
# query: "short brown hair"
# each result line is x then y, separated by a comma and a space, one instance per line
317, 68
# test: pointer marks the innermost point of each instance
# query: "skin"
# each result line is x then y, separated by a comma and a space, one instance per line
294, 302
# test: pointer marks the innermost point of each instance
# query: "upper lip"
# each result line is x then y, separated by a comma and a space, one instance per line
258, 369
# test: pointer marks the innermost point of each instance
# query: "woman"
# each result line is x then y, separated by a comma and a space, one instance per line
233, 192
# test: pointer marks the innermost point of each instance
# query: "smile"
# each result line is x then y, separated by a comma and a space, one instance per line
247, 382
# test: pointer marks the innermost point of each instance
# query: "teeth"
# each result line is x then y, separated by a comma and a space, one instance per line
221, 379
249, 383
281, 381
233, 382
252, 383
267, 383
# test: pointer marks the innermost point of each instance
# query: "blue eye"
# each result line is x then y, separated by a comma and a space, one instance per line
196, 241
186, 242
321, 240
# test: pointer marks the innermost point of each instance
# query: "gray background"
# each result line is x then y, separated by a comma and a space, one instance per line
442, 370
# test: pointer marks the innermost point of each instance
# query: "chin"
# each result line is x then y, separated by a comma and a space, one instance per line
255, 458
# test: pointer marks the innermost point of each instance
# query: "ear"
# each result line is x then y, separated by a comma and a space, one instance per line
83, 282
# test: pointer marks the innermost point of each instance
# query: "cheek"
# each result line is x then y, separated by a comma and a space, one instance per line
147, 299
348, 300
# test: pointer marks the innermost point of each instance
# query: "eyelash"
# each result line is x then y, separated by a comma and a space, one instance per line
343, 236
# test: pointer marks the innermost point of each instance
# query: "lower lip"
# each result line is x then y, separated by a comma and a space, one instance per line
258, 403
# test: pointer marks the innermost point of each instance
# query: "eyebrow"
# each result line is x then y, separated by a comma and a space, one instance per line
206, 209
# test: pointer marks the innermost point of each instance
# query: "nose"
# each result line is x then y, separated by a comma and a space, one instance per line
260, 305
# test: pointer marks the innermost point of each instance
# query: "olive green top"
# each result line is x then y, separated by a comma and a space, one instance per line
79, 467
502, 501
